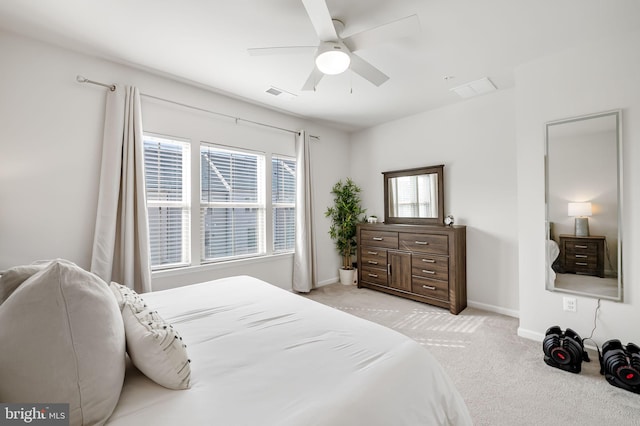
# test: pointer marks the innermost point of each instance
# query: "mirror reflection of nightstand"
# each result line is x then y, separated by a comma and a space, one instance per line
582, 255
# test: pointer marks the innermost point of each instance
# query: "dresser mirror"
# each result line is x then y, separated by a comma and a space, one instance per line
414, 196
583, 167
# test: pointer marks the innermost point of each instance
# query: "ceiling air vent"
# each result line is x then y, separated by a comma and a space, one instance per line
474, 88
279, 92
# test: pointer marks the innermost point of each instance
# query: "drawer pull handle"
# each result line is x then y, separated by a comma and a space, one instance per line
378, 238
577, 246
429, 260
422, 243
429, 287
428, 272
581, 263
375, 253
372, 262
373, 275
581, 256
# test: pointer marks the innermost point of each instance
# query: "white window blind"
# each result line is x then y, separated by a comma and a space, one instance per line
414, 196
232, 203
283, 199
167, 182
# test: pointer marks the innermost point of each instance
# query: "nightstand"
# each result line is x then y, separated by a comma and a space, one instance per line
582, 255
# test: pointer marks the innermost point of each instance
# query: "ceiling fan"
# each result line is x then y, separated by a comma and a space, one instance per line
334, 54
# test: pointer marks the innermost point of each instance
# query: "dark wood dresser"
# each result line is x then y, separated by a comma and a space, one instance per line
426, 263
582, 255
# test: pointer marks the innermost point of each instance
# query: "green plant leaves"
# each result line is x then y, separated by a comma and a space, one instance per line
345, 214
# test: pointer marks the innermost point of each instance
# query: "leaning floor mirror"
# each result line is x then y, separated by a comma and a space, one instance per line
583, 160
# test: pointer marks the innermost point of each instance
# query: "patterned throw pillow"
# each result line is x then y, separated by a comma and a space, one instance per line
153, 345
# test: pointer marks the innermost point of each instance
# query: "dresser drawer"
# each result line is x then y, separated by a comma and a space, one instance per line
581, 265
379, 239
425, 243
583, 247
580, 258
427, 266
373, 256
430, 288
374, 275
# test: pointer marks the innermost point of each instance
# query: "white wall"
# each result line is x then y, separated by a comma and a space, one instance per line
50, 148
475, 140
600, 77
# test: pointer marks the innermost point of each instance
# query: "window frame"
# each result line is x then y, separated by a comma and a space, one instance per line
260, 204
184, 204
194, 240
275, 205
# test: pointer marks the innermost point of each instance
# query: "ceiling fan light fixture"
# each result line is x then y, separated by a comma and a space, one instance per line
333, 59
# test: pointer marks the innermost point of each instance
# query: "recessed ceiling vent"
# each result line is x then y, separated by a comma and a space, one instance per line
273, 91
279, 92
475, 88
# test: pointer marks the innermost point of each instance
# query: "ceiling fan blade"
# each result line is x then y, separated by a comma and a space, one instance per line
404, 27
321, 19
285, 50
367, 71
313, 80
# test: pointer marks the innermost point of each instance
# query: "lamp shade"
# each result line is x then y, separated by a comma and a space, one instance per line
333, 59
579, 209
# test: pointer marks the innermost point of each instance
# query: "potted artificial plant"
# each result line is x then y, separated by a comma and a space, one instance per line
345, 214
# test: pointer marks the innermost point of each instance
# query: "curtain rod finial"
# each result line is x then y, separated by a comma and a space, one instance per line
81, 79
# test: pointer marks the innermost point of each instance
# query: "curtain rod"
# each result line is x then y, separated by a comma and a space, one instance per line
81, 79
237, 119
112, 87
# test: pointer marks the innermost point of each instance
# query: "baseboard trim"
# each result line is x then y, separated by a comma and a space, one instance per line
327, 282
539, 337
494, 308
531, 335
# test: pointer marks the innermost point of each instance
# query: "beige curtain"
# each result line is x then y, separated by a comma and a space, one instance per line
121, 239
304, 260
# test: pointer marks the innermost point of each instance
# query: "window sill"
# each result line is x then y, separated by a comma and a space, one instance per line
216, 266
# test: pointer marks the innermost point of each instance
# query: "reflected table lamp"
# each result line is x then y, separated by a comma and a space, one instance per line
580, 211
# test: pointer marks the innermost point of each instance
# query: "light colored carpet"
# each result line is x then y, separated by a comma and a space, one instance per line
607, 287
501, 376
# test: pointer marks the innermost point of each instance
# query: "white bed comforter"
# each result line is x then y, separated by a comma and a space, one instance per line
264, 356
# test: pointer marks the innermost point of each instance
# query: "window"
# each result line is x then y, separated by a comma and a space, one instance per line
167, 178
414, 196
238, 209
283, 199
232, 203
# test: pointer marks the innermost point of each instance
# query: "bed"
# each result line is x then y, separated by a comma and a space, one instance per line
264, 356
553, 250
234, 351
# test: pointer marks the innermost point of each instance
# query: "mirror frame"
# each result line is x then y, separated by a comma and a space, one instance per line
439, 220
617, 114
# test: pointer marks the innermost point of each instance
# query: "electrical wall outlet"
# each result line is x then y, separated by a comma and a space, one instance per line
569, 304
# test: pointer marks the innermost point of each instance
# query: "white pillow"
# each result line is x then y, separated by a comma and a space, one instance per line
62, 341
154, 346
12, 278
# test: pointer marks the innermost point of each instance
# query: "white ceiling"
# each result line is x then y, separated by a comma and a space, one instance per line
206, 41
